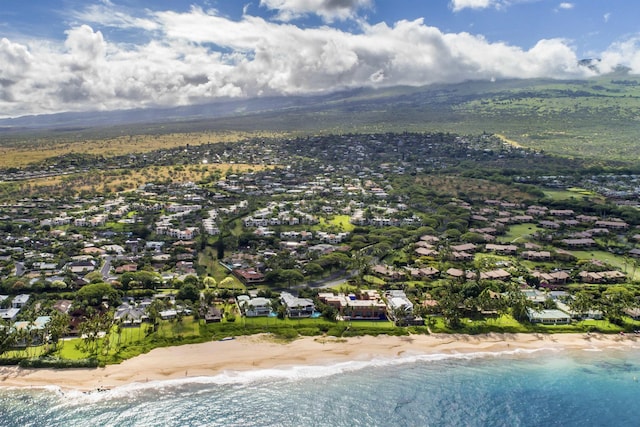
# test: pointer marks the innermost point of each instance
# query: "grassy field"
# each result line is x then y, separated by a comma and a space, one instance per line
23, 151
207, 258
118, 180
507, 324
338, 222
478, 189
519, 233
571, 193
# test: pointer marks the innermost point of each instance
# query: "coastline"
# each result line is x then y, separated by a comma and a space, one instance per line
259, 352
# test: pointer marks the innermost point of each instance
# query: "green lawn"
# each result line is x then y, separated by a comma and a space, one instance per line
207, 258
341, 222
373, 280
519, 233
571, 193
507, 324
612, 259
502, 324
561, 194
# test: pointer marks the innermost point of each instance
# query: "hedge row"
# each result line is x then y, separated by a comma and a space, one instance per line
55, 363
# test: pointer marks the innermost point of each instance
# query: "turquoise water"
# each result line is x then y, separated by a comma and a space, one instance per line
542, 388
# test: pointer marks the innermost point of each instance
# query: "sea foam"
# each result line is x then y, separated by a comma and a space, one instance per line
283, 374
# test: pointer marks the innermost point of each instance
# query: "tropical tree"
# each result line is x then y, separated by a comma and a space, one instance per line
614, 301
519, 303
582, 302
7, 337
292, 276
94, 293
189, 292
361, 263
313, 269
401, 314
491, 301
227, 282
153, 312
450, 299
210, 282
58, 327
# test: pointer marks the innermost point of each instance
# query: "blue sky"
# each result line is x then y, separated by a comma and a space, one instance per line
73, 55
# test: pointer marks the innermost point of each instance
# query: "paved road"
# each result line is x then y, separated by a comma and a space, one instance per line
106, 267
330, 281
19, 269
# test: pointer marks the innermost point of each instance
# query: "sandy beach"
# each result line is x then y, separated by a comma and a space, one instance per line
261, 352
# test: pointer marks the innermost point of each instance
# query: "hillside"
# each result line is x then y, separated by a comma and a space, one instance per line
596, 119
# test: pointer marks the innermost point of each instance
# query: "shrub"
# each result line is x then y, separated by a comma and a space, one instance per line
55, 363
309, 332
286, 333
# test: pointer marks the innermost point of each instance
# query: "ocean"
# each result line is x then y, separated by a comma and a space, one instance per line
517, 388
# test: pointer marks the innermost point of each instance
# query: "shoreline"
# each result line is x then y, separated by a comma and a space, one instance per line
259, 352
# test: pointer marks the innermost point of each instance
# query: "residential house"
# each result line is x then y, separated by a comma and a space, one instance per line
579, 243
9, 314
213, 315
612, 225
590, 314
255, 307
63, 306
19, 301
129, 315
423, 251
602, 276
548, 317
249, 275
553, 278
366, 306
455, 272
81, 267
297, 307
536, 255
424, 272
502, 249
387, 272
466, 247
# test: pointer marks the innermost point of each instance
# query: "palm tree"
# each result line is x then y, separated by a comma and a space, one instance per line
401, 314
58, 327
634, 263
7, 337
361, 263
490, 301
615, 300
582, 303
519, 303
119, 330
32, 334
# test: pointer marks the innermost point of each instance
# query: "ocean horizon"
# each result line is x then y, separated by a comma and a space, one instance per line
541, 387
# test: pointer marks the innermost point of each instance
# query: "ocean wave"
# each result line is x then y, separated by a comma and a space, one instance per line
290, 373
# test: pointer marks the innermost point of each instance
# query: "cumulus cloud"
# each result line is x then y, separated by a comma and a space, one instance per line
197, 56
329, 10
566, 6
458, 5
16, 62
625, 53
